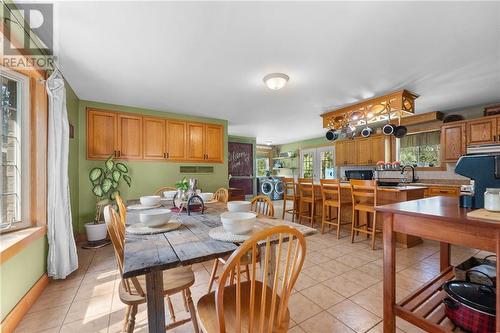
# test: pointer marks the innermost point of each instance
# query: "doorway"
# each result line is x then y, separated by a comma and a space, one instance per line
318, 163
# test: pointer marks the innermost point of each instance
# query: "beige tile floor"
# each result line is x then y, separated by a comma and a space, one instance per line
339, 289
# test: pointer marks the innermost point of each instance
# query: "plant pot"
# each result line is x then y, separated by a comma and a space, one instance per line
95, 232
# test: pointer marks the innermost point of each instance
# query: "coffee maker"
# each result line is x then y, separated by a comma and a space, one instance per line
484, 170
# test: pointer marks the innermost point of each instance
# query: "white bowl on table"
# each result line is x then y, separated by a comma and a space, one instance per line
155, 217
150, 200
169, 194
239, 206
238, 223
206, 196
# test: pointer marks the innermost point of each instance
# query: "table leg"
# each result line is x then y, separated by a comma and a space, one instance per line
498, 282
156, 305
389, 274
444, 256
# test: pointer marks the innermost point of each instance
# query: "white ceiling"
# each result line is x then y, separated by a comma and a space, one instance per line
208, 59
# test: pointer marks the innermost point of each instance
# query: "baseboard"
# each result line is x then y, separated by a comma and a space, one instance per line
15, 316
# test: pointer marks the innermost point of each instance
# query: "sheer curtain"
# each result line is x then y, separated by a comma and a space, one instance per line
62, 258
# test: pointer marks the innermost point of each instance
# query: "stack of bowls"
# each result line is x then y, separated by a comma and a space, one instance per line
238, 223
238, 206
150, 200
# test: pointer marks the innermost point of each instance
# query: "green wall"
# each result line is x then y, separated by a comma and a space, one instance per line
309, 143
253, 141
147, 176
20, 273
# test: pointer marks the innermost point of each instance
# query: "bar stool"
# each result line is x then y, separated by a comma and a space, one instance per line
330, 193
364, 199
307, 196
290, 194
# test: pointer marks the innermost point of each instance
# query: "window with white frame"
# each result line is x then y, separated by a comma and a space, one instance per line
14, 131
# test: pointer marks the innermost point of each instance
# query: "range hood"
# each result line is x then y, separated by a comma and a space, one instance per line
491, 149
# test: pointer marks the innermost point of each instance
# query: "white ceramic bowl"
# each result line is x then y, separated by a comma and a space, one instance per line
155, 217
169, 194
206, 196
238, 206
150, 200
238, 223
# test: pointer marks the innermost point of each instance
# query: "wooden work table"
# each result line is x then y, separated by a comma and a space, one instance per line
440, 219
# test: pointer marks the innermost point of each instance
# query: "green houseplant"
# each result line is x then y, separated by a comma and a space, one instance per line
182, 187
105, 182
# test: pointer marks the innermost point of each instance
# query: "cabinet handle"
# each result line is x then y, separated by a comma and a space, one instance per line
207, 156
168, 155
164, 155
114, 153
119, 153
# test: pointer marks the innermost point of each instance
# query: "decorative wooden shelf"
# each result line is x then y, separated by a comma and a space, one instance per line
424, 307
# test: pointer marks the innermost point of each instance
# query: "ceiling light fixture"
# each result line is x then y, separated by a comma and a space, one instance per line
276, 81
268, 142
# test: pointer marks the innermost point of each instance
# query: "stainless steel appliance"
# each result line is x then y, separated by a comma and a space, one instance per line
273, 187
490, 149
359, 174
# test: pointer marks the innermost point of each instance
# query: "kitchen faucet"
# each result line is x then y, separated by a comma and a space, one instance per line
413, 178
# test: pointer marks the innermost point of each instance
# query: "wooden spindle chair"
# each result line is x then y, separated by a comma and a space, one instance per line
131, 290
331, 195
260, 304
308, 198
262, 205
290, 195
221, 195
163, 189
364, 199
122, 209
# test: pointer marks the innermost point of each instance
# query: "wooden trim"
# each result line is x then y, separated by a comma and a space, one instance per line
22, 243
422, 118
15, 316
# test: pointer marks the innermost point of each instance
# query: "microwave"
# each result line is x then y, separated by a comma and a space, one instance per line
359, 174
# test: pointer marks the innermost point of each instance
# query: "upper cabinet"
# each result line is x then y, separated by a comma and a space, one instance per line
453, 141
481, 131
129, 136
362, 151
345, 152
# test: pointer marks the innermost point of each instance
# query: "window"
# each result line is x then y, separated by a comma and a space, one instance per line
318, 163
15, 150
262, 166
420, 149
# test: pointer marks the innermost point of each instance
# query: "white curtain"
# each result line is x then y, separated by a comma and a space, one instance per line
62, 258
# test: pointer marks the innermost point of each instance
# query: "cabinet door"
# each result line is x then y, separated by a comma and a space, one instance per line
378, 149
481, 131
453, 142
195, 147
129, 137
340, 155
363, 151
176, 140
214, 143
350, 152
154, 138
101, 134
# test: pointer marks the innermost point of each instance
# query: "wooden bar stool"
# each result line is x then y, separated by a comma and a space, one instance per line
364, 199
290, 194
307, 197
330, 193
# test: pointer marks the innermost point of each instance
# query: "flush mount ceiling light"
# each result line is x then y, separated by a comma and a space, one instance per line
268, 142
276, 81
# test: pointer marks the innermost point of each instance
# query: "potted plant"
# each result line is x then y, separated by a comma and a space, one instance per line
105, 182
182, 187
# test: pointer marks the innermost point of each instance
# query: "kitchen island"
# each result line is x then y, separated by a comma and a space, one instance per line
440, 219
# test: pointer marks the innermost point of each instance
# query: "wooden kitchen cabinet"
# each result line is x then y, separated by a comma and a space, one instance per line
129, 137
102, 133
154, 142
213, 143
363, 151
176, 140
446, 191
205, 142
453, 141
195, 142
378, 149
345, 152
482, 131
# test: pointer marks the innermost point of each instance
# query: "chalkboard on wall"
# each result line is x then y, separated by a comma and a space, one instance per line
240, 160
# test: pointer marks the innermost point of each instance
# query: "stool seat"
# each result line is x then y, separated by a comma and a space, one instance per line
364, 207
331, 203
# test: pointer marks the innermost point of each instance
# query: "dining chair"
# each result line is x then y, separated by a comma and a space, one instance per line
261, 204
122, 209
290, 194
259, 304
364, 199
221, 195
131, 290
163, 189
307, 198
332, 199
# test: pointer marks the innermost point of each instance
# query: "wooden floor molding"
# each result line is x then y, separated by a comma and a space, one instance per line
15, 316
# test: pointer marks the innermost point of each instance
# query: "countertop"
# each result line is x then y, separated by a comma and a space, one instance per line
437, 208
399, 188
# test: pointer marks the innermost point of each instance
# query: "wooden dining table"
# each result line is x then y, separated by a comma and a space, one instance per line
149, 255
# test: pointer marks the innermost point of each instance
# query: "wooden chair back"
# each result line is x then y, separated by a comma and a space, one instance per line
290, 250
330, 189
221, 195
163, 189
261, 204
306, 188
121, 208
290, 188
364, 192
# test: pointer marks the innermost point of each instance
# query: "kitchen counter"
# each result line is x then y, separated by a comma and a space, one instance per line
398, 188
440, 219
